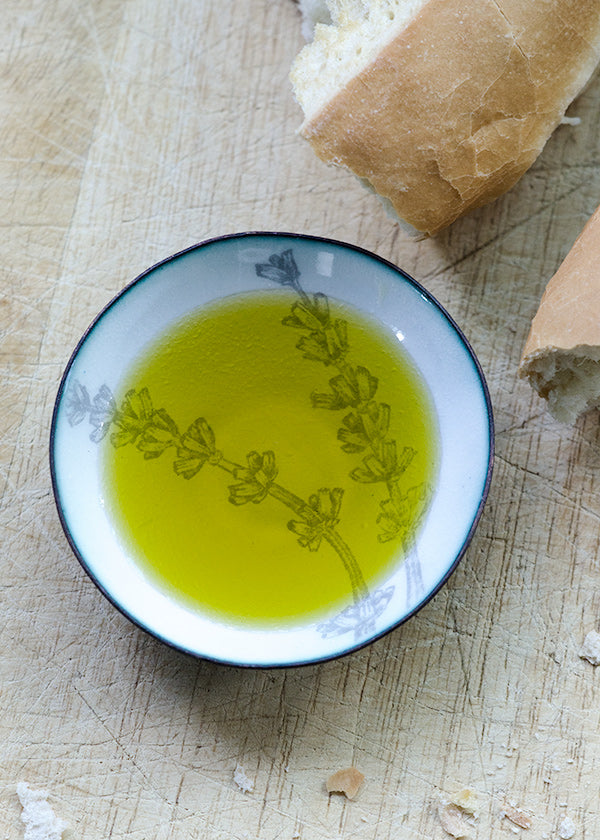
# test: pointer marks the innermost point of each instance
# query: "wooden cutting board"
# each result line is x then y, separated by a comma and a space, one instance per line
130, 130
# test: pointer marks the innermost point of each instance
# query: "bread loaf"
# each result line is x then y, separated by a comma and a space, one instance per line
561, 358
440, 106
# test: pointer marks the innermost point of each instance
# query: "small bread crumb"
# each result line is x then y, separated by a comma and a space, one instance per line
346, 781
241, 780
516, 816
590, 648
566, 829
38, 817
452, 821
466, 800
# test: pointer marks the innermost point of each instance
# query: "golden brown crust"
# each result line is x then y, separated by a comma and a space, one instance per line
569, 312
460, 103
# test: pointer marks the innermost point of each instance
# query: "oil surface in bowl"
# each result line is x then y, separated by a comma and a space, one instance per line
270, 457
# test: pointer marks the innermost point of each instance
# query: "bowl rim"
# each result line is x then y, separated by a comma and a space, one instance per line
348, 649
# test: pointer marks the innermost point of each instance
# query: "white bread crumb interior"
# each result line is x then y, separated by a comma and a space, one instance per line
569, 380
37, 816
342, 48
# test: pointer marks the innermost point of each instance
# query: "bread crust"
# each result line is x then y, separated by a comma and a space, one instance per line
458, 105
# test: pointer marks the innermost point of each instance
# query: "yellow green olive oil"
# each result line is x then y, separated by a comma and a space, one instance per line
270, 457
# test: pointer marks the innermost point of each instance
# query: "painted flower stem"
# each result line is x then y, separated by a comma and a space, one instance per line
329, 534
360, 589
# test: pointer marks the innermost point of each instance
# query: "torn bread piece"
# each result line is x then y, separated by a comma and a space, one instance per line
242, 781
348, 782
466, 799
452, 820
37, 816
566, 829
561, 357
440, 106
590, 649
516, 815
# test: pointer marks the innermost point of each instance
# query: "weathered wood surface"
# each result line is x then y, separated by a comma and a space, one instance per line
130, 129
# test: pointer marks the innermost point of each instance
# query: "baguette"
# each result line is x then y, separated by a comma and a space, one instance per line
561, 357
440, 106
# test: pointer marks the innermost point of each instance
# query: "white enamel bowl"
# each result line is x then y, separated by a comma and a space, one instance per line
225, 266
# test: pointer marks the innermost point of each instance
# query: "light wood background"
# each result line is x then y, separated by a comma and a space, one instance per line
130, 129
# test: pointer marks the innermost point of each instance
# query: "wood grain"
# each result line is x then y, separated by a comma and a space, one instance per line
129, 130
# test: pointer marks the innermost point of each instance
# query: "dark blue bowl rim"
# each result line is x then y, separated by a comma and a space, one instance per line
280, 235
